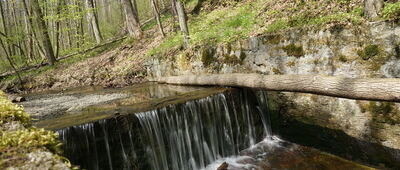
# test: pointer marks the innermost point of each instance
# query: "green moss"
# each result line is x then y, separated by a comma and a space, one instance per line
231, 60
273, 38
294, 50
10, 112
391, 11
206, 57
276, 71
373, 57
384, 112
368, 52
242, 56
397, 51
16, 144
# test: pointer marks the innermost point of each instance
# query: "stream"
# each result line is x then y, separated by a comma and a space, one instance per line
161, 127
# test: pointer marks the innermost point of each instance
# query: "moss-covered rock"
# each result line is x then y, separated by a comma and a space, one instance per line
206, 56
294, 50
384, 112
22, 145
369, 51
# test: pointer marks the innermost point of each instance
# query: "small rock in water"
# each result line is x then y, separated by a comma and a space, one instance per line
224, 166
16, 99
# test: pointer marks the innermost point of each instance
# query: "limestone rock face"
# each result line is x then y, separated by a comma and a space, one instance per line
42, 160
371, 50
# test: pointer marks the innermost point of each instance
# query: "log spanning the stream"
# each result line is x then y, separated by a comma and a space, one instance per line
379, 89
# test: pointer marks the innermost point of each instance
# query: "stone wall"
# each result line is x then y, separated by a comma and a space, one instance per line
371, 50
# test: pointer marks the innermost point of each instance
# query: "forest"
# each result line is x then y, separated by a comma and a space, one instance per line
36, 33
200, 84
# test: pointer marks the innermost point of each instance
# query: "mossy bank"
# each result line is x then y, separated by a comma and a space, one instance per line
23, 146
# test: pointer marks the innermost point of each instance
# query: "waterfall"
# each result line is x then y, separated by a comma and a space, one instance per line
178, 137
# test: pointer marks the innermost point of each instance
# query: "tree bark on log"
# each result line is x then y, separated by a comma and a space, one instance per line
378, 89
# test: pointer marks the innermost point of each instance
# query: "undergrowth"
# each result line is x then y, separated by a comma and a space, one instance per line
391, 11
243, 19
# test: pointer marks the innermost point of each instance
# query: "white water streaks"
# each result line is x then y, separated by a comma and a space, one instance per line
250, 158
187, 136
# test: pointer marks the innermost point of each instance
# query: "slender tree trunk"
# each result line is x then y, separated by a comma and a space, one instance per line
33, 36
93, 21
11, 62
48, 49
135, 10
197, 8
132, 22
372, 8
5, 27
157, 17
182, 21
108, 11
29, 43
174, 15
380, 89
57, 30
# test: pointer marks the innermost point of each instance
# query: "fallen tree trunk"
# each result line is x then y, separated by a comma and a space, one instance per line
379, 89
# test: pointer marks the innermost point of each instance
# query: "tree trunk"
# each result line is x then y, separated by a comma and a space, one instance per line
182, 21
132, 22
196, 10
93, 21
108, 11
28, 31
174, 15
5, 28
57, 30
157, 17
372, 8
44, 34
379, 89
11, 62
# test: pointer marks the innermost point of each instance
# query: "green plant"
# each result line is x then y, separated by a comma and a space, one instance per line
369, 52
384, 112
391, 11
294, 50
11, 112
278, 25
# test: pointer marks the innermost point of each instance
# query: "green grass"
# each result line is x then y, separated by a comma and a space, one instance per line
222, 25
153, 23
218, 26
303, 20
228, 24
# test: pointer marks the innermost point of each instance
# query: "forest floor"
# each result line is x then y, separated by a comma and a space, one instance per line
124, 63
120, 64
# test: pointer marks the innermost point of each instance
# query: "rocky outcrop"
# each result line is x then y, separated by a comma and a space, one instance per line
371, 50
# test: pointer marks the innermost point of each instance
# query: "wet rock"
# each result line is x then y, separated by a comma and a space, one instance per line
16, 99
224, 166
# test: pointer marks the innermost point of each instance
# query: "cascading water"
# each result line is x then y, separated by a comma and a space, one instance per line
179, 137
